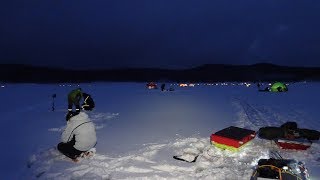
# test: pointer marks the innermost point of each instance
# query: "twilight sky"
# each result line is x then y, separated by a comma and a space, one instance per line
159, 33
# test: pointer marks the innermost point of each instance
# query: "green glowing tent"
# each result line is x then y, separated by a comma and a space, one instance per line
278, 87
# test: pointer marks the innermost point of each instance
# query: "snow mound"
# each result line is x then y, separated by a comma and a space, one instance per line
155, 162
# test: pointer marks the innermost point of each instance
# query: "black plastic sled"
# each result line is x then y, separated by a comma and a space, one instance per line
283, 169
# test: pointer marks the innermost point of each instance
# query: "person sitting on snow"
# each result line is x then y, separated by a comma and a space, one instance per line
79, 136
88, 103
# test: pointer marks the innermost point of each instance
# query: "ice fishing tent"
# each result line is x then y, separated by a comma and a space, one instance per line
278, 87
151, 85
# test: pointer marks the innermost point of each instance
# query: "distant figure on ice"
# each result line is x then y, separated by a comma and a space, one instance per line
163, 87
267, 89
258, 85
88, 103
261, 89
74, 98
79, 137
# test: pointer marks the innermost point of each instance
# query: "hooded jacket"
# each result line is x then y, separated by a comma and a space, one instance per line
83, 130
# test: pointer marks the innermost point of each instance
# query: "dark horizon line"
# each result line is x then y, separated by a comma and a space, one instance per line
206, 72
156, 68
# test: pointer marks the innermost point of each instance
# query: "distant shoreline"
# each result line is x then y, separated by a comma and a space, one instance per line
209, 73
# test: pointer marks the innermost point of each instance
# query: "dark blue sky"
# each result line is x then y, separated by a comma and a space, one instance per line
159, 33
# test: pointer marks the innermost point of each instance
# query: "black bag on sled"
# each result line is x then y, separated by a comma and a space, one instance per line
270, 133
288, 130
309, 134
289, 126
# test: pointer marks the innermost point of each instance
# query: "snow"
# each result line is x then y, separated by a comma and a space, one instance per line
140, 130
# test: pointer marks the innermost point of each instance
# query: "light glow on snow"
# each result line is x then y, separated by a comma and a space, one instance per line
139, 131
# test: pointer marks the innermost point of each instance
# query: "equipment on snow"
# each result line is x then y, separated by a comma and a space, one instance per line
309, 134
270, 133
232, 138
289, 136
187, 158
283, 169
297, 144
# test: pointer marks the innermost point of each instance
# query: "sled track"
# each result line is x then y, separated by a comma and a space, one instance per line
253, 116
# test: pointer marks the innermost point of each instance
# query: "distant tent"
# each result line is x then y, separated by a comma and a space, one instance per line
151, 85
278, 87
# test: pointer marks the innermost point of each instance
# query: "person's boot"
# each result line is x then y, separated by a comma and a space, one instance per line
75, 160
89, 154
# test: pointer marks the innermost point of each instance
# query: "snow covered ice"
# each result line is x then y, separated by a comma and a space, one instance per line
140, 130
